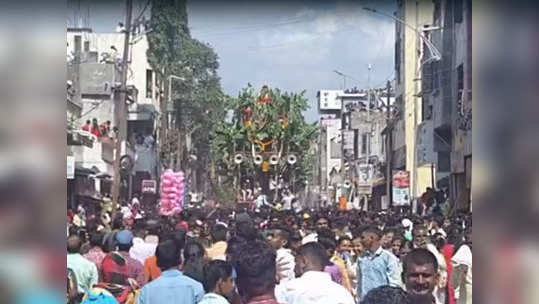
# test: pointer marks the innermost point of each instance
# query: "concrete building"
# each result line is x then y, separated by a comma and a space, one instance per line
416, 15
447, 100
348, 134
94, 70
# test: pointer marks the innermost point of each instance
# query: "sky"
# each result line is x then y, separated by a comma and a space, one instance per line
293, 45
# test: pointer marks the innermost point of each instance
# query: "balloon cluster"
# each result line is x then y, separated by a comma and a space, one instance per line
172, 188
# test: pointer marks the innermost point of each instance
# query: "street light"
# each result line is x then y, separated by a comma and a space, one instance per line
436, 55
344, 78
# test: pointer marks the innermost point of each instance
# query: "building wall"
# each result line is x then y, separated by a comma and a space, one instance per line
415, 14
101, 43
461, 150
462, 138
102, 106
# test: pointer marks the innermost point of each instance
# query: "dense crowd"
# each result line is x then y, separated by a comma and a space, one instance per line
270, 256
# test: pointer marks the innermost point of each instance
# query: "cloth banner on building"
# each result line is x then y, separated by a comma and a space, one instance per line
172, 189
401, 188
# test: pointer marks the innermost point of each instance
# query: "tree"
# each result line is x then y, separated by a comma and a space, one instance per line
197, 97
266, 125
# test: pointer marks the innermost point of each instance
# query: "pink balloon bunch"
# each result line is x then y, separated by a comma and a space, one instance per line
172, 184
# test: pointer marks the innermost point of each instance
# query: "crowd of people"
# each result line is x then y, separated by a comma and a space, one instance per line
271, 256
99, 130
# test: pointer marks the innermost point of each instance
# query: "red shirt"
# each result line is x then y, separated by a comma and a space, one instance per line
447, 251
95, 131
86, 128
117, 267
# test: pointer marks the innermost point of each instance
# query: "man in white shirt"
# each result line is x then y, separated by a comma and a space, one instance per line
288, 197
462, 271
141, 250
313, 285
279, 239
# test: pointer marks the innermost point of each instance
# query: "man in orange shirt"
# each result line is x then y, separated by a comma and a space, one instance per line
151, 270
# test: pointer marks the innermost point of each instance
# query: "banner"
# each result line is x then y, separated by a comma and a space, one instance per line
149, 186
401, 188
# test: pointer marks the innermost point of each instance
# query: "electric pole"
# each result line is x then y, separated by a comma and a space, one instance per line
120, 109
389, 148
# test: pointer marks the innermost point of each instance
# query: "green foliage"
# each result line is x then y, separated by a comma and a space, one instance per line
280, 121
198, 97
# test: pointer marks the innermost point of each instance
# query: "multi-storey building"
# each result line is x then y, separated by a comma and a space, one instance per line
447, 98
414, 17
94, 71
351, 140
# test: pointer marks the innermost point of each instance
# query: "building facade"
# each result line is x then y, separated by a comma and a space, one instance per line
443, 133
413, 16
94, 70
352, 146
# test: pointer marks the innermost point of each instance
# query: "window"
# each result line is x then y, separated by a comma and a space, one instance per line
77, 45
460, 79
426, 111
437, 12
427, 77
149, 82
364, 144
444, 161
435, 75
86, 46
458, 9
397, 59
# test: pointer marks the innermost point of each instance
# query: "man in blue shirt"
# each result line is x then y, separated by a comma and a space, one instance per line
377, 267
172, 286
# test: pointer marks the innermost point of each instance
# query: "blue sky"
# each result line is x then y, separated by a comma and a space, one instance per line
292, 45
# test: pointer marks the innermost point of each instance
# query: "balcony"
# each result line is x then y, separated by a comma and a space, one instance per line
98, 154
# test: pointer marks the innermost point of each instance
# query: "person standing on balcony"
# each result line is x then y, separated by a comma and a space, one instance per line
87, 126
95, 128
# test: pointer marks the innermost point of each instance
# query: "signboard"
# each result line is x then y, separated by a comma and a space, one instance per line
365, 174
149, 186
70, 167
401, 188
348, 139
330, 122
329, 100
425, 143
364, 189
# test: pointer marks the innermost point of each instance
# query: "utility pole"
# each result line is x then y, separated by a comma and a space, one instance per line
369, 134
120, 111
389, 148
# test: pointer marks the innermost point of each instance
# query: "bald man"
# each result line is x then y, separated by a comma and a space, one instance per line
85, 271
